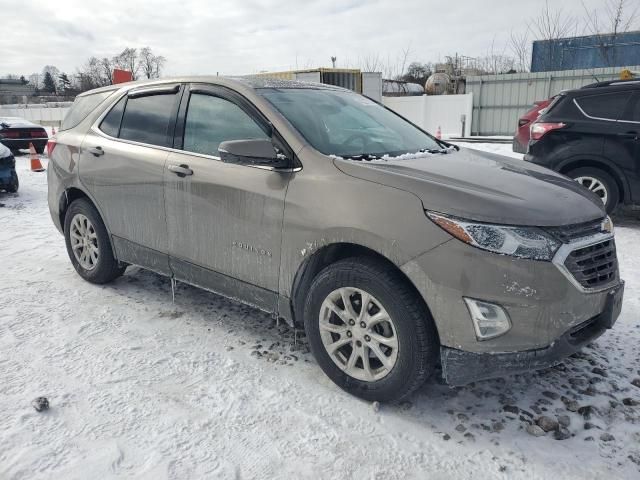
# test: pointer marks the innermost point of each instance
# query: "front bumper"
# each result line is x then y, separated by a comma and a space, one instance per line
462, 367
542, 299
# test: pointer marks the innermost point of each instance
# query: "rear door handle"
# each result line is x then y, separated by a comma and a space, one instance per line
181, 170
96, 151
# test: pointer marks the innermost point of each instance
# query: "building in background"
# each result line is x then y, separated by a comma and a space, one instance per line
593, 51
15, 90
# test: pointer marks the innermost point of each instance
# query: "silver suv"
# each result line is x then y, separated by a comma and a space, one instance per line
395, 251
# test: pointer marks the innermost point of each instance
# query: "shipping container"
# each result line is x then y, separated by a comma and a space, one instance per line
593, 51
366, 83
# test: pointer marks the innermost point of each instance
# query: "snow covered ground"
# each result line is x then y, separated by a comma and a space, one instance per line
204, 388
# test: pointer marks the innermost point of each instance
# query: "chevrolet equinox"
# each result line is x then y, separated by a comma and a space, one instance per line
396, 252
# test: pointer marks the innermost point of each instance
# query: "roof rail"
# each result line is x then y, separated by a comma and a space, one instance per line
612, 83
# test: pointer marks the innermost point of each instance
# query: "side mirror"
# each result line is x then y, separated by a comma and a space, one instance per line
260, 152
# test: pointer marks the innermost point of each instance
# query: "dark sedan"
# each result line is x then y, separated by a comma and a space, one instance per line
17, 133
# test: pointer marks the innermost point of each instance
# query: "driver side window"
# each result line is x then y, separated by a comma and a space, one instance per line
212, 120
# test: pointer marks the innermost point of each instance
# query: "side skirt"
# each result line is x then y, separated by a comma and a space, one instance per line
218, 283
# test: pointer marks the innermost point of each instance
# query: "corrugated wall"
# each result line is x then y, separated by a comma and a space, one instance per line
499, 100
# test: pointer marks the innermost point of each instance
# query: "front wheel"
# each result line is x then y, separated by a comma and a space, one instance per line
369, 331
600, 183
88, 244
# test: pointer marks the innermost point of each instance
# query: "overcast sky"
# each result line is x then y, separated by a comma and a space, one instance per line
247, 36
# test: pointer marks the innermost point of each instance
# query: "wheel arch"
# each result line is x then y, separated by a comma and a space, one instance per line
71, 194
603, 165
328, 255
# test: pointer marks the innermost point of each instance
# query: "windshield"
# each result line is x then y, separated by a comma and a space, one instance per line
346, 124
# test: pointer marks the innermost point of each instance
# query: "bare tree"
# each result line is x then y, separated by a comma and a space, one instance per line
106, 71
128, 60
552, 24
496, 62
520, 46
618, 17
150, 64
370, 63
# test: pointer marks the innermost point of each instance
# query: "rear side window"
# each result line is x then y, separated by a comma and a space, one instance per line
111, 122
632, 113
213, 120
607, 106
82, 107
146, 119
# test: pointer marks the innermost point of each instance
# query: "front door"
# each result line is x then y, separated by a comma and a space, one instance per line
122, 166
224, 220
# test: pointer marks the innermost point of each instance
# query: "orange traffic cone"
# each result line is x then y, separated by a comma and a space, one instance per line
439, 133
36, 165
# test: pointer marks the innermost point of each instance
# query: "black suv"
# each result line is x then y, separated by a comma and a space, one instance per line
593, 136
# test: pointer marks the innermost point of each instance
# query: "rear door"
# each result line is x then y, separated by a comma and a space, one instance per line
630, 138
122, 167
224, 219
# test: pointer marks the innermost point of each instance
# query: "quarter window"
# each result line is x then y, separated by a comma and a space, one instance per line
608, 106
213, 120
146, 119
82, 106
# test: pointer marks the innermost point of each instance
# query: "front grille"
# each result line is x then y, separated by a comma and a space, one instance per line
570, 233
595, 265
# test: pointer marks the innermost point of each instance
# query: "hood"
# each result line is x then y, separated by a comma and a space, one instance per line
484, 187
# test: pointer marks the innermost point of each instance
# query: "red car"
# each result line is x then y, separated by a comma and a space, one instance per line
521, 138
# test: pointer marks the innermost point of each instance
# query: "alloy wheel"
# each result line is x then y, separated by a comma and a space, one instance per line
358, 334
84, 242
595, 185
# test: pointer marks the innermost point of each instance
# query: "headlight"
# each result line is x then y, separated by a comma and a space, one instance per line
523, 242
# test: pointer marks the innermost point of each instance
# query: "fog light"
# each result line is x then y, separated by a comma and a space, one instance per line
489, 320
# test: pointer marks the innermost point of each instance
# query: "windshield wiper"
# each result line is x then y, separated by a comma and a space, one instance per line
434, 150
363, 157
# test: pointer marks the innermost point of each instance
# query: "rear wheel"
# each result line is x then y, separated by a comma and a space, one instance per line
600, 183
88, 244
369, 331
40, 150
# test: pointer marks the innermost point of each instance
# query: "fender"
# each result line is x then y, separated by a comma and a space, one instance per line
584, 160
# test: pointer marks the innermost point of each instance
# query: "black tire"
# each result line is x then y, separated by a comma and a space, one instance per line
40, 150
15, 183
418, 343
107, 267
609, 183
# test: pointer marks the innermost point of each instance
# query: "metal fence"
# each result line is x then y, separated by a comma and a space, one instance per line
498, 100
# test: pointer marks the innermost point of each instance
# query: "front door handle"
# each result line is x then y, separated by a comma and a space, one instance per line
96, 151
181, 170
